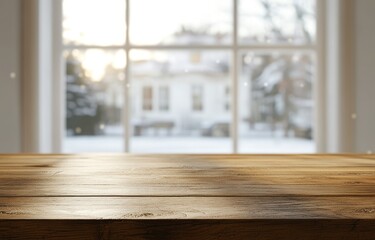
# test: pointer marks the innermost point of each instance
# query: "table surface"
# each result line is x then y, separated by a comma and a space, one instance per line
188, 187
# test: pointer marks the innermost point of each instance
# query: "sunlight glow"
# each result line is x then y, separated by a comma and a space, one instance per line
156, 23
94, 62
94, 22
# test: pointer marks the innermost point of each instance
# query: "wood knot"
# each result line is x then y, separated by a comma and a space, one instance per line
366, 210
10, 213
139, 215
41, 165
353, 182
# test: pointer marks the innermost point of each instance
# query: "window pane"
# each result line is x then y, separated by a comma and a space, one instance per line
197, 98
276, 103
191, 89
94, 100
182, 22
277, 21
147, 98
94, 22
164, 98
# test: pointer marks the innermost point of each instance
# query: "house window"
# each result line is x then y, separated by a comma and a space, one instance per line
147, 98
195, 57
263, 53
197, 98
227, 98
164, 99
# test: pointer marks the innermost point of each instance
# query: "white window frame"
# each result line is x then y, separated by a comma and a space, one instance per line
236, 49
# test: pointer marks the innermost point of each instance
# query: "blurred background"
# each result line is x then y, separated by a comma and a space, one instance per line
187, 76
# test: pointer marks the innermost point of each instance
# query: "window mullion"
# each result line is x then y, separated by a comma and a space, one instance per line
127, 104
234, 77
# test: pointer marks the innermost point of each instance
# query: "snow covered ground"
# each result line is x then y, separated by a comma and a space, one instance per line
175, 144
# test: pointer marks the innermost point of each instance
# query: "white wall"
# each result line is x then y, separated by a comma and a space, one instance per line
365, 75
10, 18
41, 118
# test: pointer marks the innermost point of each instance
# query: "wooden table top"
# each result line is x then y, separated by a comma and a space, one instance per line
313, 189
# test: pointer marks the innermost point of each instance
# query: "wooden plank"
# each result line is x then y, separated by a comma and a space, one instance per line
104, 176
132, 208
187, 175
176, 189
64, 179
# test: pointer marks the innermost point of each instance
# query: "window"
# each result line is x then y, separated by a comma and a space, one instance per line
163, 99
197, 98
147, 99
226, 98
237, 77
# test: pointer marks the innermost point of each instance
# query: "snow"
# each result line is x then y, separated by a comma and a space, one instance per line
175, 144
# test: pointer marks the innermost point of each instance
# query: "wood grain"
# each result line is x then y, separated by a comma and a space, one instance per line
117, 196
186, 208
